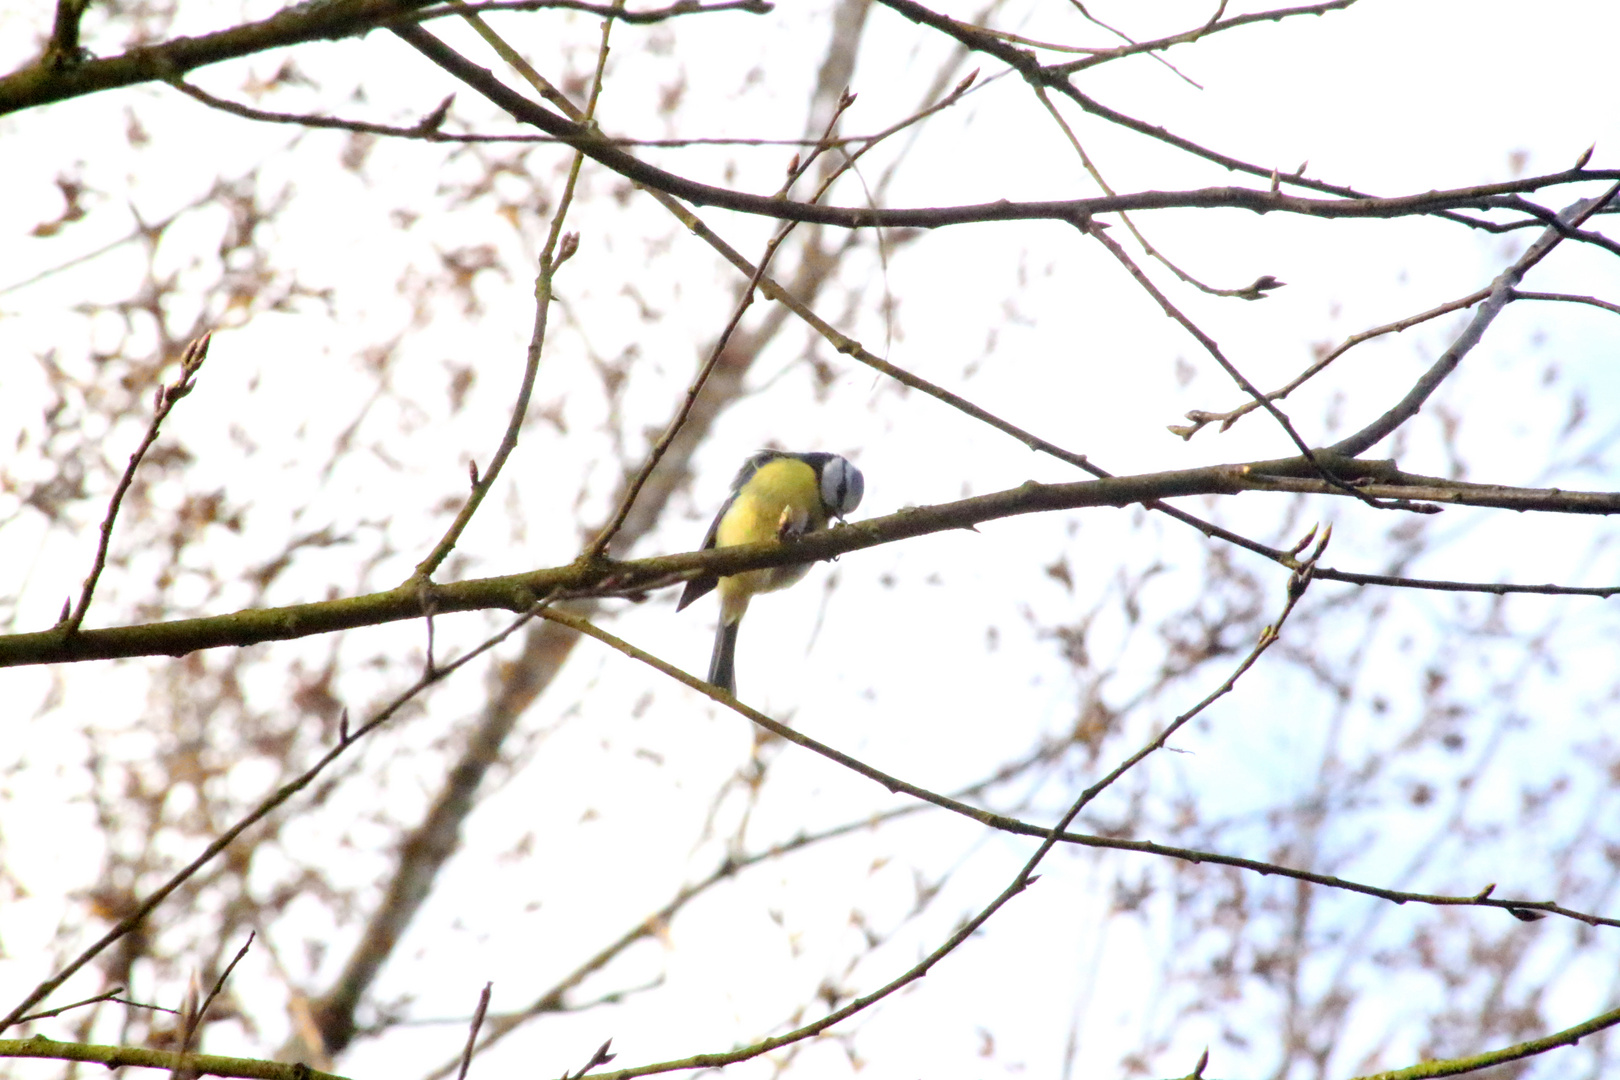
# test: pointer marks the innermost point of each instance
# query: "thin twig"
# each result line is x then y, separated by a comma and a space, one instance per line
193, 1013
106, 995
1214, 350
600, 1057
718, 349
1152, 54
167, 397
428, 131
643, 17
1102, 56
219, 984
190, 1017
1494, 588
558, 249
472, 1031
1258, 290
1568, 298
1200, 417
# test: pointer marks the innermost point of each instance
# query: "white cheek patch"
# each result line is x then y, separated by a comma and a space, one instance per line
842, 486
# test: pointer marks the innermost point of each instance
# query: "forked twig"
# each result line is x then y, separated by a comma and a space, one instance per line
1214, 350
601, 1057
1501, 293
1200, 418
193, 1012
110, 994
1102, 56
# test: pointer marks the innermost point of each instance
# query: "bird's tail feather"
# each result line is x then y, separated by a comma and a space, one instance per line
722, 665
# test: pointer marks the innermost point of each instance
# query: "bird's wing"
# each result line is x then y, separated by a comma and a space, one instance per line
703, 583
698, 586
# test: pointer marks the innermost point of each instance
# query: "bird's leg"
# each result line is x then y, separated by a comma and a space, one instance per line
792, 523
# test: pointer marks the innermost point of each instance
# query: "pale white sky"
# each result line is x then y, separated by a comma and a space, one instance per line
1028, 320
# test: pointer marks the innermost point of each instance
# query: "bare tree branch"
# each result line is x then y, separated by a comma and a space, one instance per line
1298, 583
167, 398
115, 1057
547, 645
516, 592
1501, 295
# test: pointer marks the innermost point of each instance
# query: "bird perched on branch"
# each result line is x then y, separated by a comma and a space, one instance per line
776, 496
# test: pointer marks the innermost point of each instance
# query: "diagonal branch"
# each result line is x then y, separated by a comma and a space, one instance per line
167, 398
347, 739
546, 646
558, 250
1298, 582
1501, 296
1200, 417
1458, 1066
796, 169
1214, 350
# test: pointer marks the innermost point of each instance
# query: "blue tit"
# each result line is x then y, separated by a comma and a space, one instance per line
776, 496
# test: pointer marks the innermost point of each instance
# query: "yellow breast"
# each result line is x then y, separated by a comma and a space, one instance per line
782, 492
782, 498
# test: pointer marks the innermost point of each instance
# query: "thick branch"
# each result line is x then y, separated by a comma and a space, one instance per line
1457, 1066
49, 79
43, 83
608, 153
600, 577
197, 1064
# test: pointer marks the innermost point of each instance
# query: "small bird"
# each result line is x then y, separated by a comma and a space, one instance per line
775, 496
